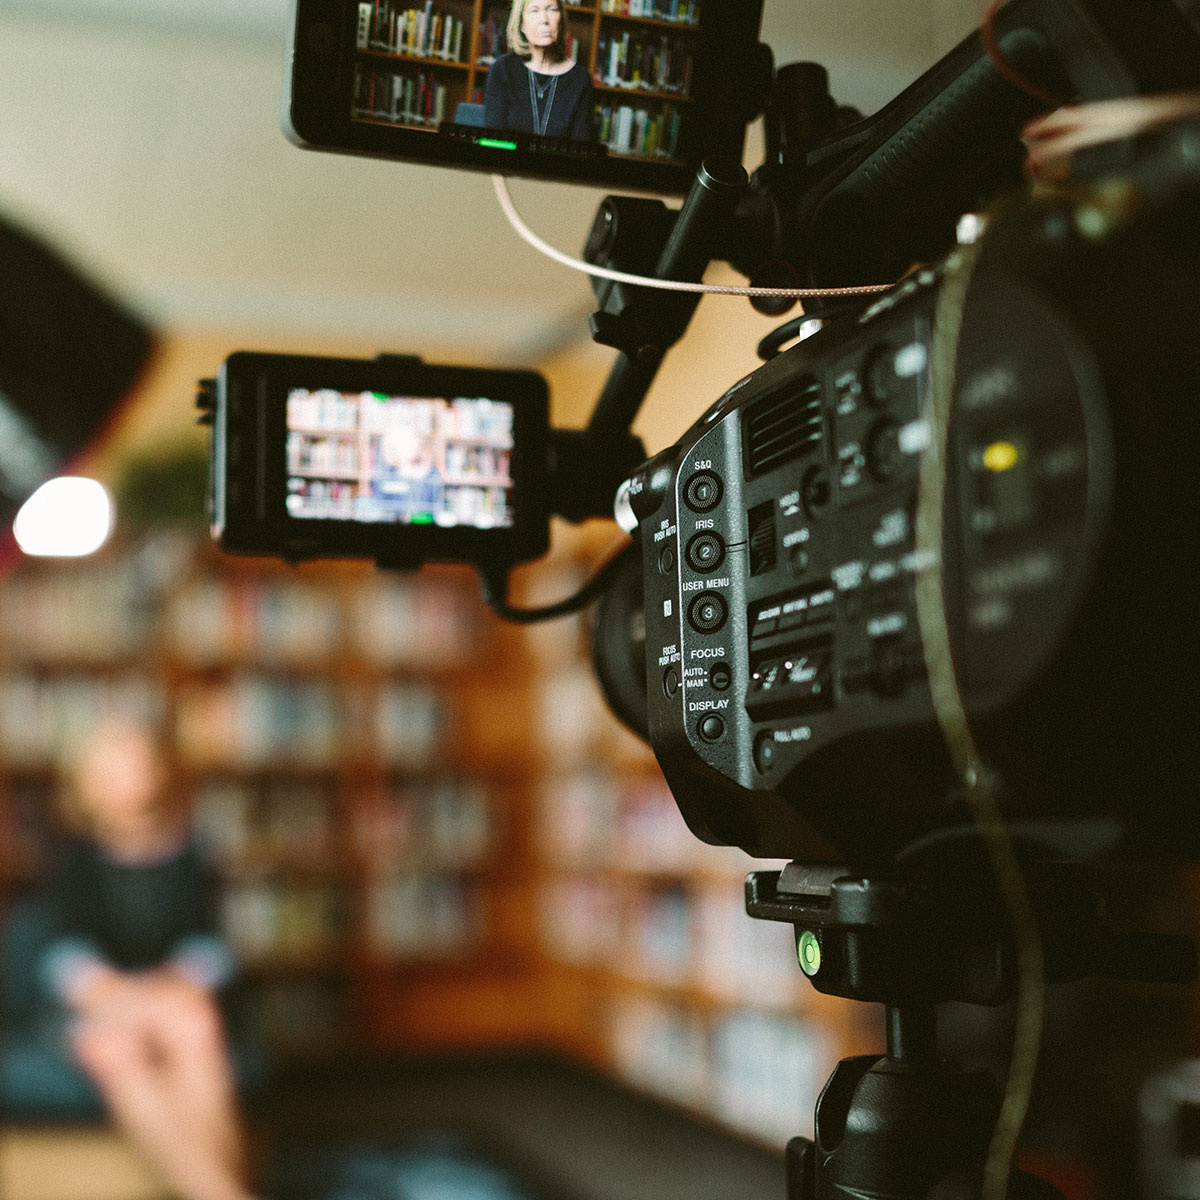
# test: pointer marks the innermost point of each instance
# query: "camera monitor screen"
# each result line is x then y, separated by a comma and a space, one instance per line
391, 458
631, 93
413, 460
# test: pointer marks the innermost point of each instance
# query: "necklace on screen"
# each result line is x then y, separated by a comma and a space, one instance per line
542, 92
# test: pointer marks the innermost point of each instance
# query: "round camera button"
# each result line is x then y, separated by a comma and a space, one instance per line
764, 752
705, 551
702, 492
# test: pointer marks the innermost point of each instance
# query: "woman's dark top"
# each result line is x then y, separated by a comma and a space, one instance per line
564, 102
134, 916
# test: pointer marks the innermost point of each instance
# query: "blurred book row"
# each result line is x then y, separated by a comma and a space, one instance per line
246, 720
275, 924
265, 824
43, 715
251, 720
674, 936
759, 1072
600, 817
384, 621
682, 12
109, 611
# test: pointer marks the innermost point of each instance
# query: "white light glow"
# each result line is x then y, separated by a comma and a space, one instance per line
66, 517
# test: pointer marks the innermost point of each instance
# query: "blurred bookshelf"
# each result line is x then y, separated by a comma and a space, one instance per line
430, 830
317, 731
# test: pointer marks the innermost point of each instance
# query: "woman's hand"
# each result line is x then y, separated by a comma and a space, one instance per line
170, 986
108, 995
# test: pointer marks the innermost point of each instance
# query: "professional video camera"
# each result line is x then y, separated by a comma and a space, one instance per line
908, 604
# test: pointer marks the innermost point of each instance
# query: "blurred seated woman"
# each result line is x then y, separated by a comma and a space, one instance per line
136, 963
535, 88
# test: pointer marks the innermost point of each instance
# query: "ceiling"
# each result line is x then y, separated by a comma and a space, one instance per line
143, 137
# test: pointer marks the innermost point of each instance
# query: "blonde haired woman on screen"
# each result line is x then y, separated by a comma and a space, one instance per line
535, 88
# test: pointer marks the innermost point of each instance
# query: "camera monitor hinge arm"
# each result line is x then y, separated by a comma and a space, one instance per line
644, 323
587, 466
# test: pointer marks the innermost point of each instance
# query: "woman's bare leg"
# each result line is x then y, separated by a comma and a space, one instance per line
136, 1091
186, 1036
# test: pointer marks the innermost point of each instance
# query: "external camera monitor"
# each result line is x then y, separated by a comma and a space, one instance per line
619, 93
391, 459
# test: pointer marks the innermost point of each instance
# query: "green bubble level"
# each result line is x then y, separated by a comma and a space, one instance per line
808, 951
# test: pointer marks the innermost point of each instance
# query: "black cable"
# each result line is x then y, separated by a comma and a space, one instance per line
494, 584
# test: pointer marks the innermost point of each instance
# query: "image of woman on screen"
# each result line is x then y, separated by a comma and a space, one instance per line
535, 88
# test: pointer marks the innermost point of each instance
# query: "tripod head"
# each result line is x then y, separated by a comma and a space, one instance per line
909, 1124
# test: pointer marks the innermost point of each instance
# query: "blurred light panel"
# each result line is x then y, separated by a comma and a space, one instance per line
67, 517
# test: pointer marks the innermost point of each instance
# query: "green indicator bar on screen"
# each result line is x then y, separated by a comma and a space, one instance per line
422, 518
497, 144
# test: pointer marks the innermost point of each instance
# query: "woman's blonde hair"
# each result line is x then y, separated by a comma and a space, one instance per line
519, 44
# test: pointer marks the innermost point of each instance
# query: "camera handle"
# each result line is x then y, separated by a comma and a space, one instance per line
909, 1124
587, 466
644, 323
644, 237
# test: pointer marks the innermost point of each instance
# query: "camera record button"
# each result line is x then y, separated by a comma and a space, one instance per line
894, 665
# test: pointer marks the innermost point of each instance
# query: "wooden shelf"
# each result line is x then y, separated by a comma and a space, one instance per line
652, 22
416, 60
275, 967
424, 128
637, 93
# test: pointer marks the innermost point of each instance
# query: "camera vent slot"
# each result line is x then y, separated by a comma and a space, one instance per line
783, 426
761, 527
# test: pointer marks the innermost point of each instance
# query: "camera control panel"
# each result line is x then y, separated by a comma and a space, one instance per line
782, 556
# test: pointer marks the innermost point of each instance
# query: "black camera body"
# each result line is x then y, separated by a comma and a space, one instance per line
790, 701
391, 459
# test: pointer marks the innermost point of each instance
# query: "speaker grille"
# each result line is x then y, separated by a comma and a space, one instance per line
783, 425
